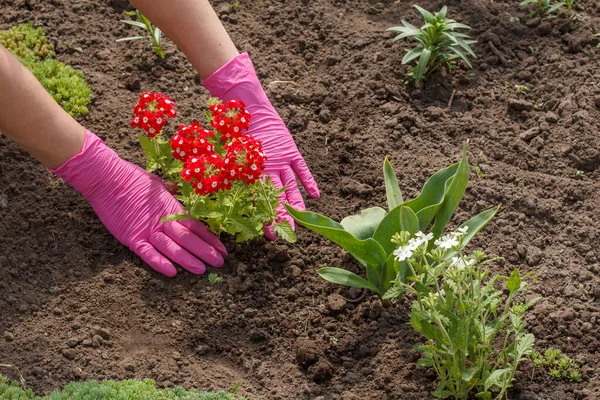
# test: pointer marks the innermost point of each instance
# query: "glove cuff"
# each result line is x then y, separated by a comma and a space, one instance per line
86, 170
237, 71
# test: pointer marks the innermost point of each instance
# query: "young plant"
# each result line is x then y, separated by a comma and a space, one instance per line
213, 279
546, 7
154, 34
368, 236
439, 44
462, 314
216, 174
557, 364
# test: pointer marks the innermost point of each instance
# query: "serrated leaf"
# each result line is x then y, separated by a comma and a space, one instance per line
285, 231
525, 346
514, 281
498, 378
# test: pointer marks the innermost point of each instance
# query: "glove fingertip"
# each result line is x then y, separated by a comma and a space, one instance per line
270, 233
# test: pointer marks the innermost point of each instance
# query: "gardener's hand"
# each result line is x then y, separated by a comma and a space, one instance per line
130, 203
237, 80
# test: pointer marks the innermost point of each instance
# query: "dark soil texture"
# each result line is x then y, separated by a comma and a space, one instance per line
76, 305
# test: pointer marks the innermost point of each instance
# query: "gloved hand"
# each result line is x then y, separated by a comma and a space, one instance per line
130, 203
237, 80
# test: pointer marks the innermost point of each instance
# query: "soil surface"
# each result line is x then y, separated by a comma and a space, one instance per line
75, 304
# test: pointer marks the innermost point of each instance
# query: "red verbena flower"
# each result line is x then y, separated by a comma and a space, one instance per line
152, 112
205, 174
191, 140
230, 119
244, 160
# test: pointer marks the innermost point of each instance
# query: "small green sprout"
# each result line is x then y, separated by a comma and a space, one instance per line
213, 279
555, 374
546, 7
439, 44
575, 376
564, 363
552, 355
154, 33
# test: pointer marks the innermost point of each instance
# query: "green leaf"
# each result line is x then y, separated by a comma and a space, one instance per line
477, 223
412, 54
180, 216
132, 38
427, 16
363, 225
367, 251
453, 196
134, 23
392, 189
157, 36
343, 277
484, 395
427, 204
152, 160
467, 374
442, 13
525, 346
388, 273
498, 378
285, 231
514, 281
421, 67
399, 219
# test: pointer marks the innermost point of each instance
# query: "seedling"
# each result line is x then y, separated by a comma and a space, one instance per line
154, 33
557, 364
546, 7
213, 279
439, 43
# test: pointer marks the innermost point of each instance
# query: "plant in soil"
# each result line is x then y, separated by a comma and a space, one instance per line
213, 278
370, 236
557, 364
154, 34
475, 337
217, 173
129, 389
66, 85
546, 7
438, 43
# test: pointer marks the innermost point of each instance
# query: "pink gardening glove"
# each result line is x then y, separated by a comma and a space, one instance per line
237, 80
130, 203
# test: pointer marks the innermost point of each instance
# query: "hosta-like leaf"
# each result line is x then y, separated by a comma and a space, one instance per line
399, 219
367, 251
453, 196
392, 189
343, 277
363, 225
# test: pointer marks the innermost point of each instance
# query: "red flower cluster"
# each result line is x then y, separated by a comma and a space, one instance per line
205, 168
230, 119
152, 112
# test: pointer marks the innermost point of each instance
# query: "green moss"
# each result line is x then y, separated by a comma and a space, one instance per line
111, 390
67, 86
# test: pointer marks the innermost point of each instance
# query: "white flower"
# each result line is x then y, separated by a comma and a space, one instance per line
403, 253
447, 242
461, 263
460, 231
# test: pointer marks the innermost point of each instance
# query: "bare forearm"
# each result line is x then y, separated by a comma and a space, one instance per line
32, 119
195, 28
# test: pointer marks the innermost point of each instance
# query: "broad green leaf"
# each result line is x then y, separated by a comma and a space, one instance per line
388, 273
134, 23
392, 223
427, 204
132, 38
363, 225
453, 196
367, 251
343, 277
497, 378
180, 216
392, 189
285, 231
525, 346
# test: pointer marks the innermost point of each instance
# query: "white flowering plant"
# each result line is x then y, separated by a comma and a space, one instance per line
368, 235
475, 336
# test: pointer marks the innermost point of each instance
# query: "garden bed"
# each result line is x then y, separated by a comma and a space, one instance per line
76, 305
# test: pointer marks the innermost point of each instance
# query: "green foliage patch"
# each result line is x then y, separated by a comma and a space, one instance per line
67, 86
110, 390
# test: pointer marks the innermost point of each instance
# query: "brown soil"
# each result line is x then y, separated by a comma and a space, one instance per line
77, 305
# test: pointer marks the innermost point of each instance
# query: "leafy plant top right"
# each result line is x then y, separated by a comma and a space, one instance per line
438, 43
